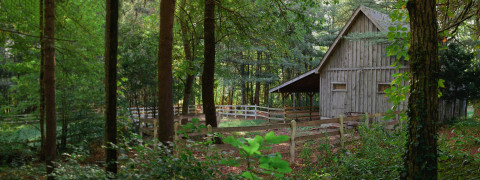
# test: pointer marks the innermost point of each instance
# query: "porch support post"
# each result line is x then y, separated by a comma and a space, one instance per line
310, 94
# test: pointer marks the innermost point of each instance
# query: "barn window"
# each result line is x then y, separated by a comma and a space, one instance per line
339, 86
382, 87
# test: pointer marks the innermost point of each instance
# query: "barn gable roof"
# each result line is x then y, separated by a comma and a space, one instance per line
380, 20
308, 82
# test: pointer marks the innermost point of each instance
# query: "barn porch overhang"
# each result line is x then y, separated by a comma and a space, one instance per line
306, 83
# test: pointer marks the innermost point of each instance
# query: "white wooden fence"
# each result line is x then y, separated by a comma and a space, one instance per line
147, 112
243, 111
254, 111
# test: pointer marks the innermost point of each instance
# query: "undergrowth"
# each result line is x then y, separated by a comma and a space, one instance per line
378, 154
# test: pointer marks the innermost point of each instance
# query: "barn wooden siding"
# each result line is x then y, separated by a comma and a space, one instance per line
363, 65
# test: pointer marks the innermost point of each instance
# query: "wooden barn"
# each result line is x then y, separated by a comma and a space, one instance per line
352, 76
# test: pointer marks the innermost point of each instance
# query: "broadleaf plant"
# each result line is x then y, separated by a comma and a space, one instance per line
258, 163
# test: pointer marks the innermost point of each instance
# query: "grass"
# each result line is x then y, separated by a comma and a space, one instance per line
242, 123
469, 114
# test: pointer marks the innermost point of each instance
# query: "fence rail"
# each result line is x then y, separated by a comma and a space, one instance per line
242, 111
341, 120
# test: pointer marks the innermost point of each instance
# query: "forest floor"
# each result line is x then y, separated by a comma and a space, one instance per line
460, 139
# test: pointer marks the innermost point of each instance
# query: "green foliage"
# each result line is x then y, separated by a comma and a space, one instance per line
144, 160
72, 168
377, 154
460, 74
399, 37
456, 144
250, 150
15, 150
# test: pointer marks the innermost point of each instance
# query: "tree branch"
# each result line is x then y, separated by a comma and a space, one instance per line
29, 35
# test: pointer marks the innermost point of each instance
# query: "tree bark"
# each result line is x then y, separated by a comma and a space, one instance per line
257, 83
267, 84
421, 157
50, 99
476, 104
111, 50
230, 96
209, 64
42, 85
165, 79
188, 57
242, 83
63, 140
223, 95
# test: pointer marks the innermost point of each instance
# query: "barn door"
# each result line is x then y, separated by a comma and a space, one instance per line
339, 94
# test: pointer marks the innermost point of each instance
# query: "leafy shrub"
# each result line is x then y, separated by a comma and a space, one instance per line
455, 147
14, 149
378, 155
250, 149
149, 161
71, 168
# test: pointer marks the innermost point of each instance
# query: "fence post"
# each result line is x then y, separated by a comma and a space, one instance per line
175, 129
245, 112
342, 135
293, 128
367, 120
255, 111
268, 114
141, 125
235, 109
209, 131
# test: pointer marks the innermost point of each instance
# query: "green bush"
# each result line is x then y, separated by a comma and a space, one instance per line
257, 163
377, 155
145, 160
14, 149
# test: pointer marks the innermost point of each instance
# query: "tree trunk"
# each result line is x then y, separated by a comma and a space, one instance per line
50, 99
242, 83
230, 96
188, 57
42, 85
63, 141
223, 95
111, 50
257, 84
266, 87
421, 157
155, 103
165, 79
209, 64
267, 84
476, 104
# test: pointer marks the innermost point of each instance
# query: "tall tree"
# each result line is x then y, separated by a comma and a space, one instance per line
188, 57
209, 64
50, 105
421, 156
111, 51
42, 85
165, 79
